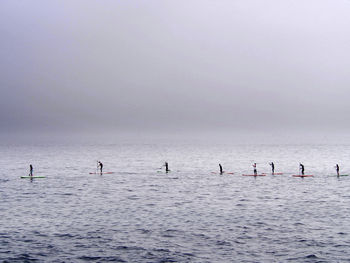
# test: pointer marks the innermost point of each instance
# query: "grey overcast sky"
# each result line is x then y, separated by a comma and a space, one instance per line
164, 65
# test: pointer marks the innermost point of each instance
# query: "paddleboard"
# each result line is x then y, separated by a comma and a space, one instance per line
31, 177
276, 173
305, 175
340, 175
102, 173
253, 174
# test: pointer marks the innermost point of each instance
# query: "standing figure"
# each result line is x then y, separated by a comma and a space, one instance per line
301, 168
166, 167
337, 169
221, 170
272, 167
255, 170
30, 170
100, 165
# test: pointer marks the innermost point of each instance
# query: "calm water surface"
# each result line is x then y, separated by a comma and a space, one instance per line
189, 215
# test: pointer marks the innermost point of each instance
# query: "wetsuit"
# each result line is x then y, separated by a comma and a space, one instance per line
255, 171
337, 168
272, 167
101, 166
166, 167
301, 167
221, 171
30, 170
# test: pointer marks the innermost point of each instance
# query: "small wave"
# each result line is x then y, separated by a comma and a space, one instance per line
37, 233
4, 180
189, 254
342, 233
133, 197
171, 230
64, 235
223, 243
101, 259
302, 259
22, 258
201, 236
133, 248
166, 260
144, 231
162, 250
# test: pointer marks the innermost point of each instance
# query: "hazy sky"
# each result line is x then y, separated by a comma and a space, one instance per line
168, 65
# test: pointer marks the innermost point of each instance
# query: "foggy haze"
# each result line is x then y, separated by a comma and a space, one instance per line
174, 65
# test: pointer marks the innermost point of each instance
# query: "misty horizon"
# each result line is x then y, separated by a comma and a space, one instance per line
161, 66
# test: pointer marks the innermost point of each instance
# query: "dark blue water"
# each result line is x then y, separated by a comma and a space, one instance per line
189, 215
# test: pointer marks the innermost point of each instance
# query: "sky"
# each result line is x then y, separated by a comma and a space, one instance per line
185, 65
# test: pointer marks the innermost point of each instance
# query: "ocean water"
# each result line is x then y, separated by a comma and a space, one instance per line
191, 214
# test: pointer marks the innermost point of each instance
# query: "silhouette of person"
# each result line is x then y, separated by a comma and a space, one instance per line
166, 167
272, 167
301, 168
337, 169
221, 170
101, 166
255, 170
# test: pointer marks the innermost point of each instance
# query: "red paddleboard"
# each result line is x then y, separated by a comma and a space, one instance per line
277, 173
254, 174
300, 175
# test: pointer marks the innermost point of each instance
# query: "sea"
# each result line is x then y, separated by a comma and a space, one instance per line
140, 213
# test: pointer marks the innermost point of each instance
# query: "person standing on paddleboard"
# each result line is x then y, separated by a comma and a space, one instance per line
255, 170
272, 167
301, 168
101, 166
166, 167
221, 170
337, 169
30, 170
